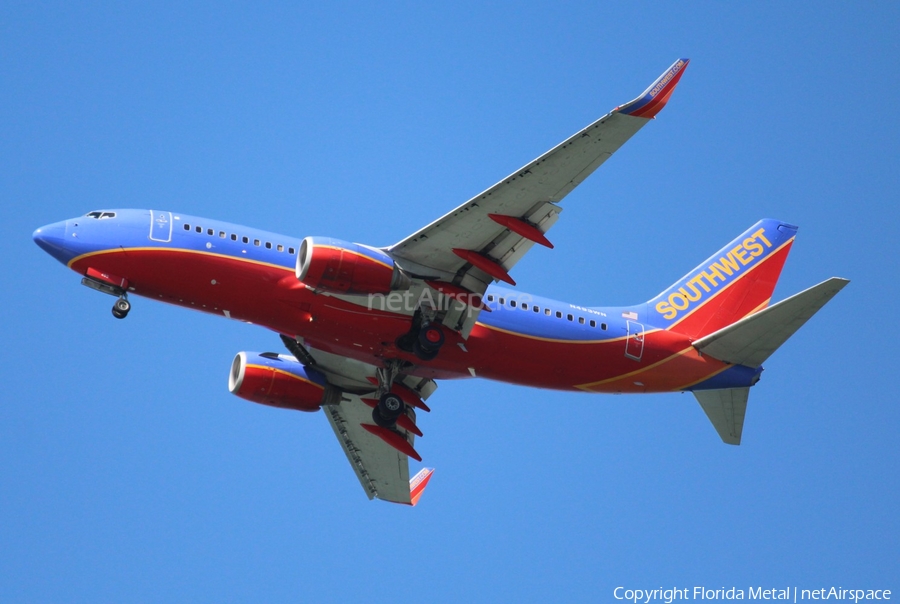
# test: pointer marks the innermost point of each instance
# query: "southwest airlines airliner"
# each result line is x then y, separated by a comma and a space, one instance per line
369, 330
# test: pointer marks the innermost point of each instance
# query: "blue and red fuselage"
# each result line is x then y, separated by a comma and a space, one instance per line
249, 275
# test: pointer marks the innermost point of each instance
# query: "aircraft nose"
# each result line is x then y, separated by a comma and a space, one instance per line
52, 239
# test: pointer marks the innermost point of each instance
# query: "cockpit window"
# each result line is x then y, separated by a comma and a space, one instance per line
101, 215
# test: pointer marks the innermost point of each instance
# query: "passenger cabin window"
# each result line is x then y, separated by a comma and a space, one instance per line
491, 298
569, 317
558, 315
512, 303
221, 234
581, 320
524, 306
535, 309
209, 232
268, 245
245, 239
187, 227
593, 323
290, 250
547, 311
233, 237
502, 300
256, 242
603, 326
280, 248
199, 229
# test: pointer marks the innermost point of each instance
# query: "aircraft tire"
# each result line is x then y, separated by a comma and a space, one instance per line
431, 338
388, 409
424, 354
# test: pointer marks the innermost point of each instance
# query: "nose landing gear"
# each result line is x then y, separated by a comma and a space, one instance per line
121, 308
112, 285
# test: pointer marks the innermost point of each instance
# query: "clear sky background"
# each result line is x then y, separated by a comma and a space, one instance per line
129, 473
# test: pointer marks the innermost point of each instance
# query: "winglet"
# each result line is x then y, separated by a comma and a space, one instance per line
418, 483
655, 98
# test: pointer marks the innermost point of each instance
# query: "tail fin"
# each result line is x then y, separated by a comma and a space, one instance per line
732, 283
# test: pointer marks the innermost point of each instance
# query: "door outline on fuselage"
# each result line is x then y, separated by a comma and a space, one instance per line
158, 223
634, 342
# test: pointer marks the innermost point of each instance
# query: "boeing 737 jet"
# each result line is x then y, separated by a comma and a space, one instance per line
370, 331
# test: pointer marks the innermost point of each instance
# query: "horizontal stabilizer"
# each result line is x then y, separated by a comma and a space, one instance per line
725, 409
754, 338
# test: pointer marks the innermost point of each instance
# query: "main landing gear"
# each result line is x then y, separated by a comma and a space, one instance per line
393, 423
121, 308
390, 406
424, 339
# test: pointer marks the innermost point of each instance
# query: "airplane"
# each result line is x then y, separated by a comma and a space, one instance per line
370, 330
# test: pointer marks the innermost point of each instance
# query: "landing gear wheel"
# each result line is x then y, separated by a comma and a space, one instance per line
120, 308
423, 353
431, 337
389, 408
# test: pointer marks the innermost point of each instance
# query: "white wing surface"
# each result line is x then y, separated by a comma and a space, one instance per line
485, 237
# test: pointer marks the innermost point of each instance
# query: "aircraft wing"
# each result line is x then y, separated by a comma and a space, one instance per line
379, 458
382, 470
485, 237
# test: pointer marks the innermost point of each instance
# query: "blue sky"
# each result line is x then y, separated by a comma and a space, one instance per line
129, 473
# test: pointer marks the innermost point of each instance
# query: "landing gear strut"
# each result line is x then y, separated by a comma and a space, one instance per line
121, 308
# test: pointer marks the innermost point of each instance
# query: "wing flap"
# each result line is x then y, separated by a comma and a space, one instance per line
754, 338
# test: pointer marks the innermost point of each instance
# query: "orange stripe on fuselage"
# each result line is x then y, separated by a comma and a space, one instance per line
125, 250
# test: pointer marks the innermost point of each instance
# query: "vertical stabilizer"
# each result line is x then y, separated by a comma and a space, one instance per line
732, 283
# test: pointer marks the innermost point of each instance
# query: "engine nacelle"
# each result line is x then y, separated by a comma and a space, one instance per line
340, 267
278, 381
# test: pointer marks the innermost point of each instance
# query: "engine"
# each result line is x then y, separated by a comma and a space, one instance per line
278, 381
339, 267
